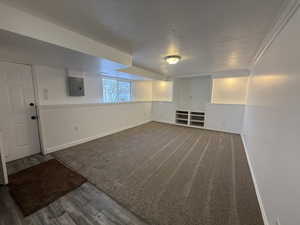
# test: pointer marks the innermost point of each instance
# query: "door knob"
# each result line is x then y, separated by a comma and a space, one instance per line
31, 104
33, 117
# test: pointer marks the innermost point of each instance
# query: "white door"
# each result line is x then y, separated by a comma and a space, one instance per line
18, 119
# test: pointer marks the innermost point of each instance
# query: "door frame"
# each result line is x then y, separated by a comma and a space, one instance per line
3, 161
37, 108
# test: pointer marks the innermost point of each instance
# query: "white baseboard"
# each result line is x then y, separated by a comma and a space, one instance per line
205, 128
161, 121
84, 140
262, 209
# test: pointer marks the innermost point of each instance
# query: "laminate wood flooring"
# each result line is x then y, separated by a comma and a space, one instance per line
85, 205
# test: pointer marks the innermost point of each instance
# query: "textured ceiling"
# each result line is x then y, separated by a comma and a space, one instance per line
210, 35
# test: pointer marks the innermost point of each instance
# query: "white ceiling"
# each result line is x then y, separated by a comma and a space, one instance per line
210, 35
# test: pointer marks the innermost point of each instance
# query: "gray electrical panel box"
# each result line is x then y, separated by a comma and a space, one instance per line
76, 86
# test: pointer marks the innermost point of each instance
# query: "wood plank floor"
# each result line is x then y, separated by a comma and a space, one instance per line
84, 206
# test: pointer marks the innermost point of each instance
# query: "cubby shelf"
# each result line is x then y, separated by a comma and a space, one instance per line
182, 117
190, 118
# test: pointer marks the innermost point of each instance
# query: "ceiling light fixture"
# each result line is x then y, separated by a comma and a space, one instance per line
172, 59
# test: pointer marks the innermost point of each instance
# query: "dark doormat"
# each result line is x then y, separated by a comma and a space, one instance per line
38, 186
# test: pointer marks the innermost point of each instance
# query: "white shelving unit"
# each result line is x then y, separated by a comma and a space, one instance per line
197, 119
182, 117
190, 118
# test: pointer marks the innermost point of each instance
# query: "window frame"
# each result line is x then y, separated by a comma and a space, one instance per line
117, 79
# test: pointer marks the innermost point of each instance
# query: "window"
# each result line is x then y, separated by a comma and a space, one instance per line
124, 90
115, 90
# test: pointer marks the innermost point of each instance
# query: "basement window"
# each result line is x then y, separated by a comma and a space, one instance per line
116, 90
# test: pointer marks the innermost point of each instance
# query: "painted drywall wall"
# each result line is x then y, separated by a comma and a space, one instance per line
163, 112
52, 86
220, 117
142, 91
188, 94
192, 93
66, 121
162, 90
68, 125
272, 126
225, 117
229, 90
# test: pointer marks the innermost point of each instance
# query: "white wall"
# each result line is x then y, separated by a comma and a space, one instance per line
192, 93
229, 90
88, 119
52, 86
272, 126
163, 112
224, 117
66, 121
162, 90
142, 91
187, 94
67, 125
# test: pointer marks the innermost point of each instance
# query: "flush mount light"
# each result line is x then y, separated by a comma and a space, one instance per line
172, 59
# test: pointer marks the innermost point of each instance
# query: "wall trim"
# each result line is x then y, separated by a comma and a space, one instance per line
78, 105
87, 139
259, 198
37, 109
203, 128
286, 13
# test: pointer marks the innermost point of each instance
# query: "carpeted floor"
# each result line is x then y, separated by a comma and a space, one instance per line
171, 175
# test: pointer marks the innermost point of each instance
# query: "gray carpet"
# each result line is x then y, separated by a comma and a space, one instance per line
168, 174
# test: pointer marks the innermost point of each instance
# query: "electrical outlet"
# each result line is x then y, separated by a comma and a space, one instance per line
278, 221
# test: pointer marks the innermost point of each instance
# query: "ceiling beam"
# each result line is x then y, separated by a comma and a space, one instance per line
227, 73
17, 21
143, 72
